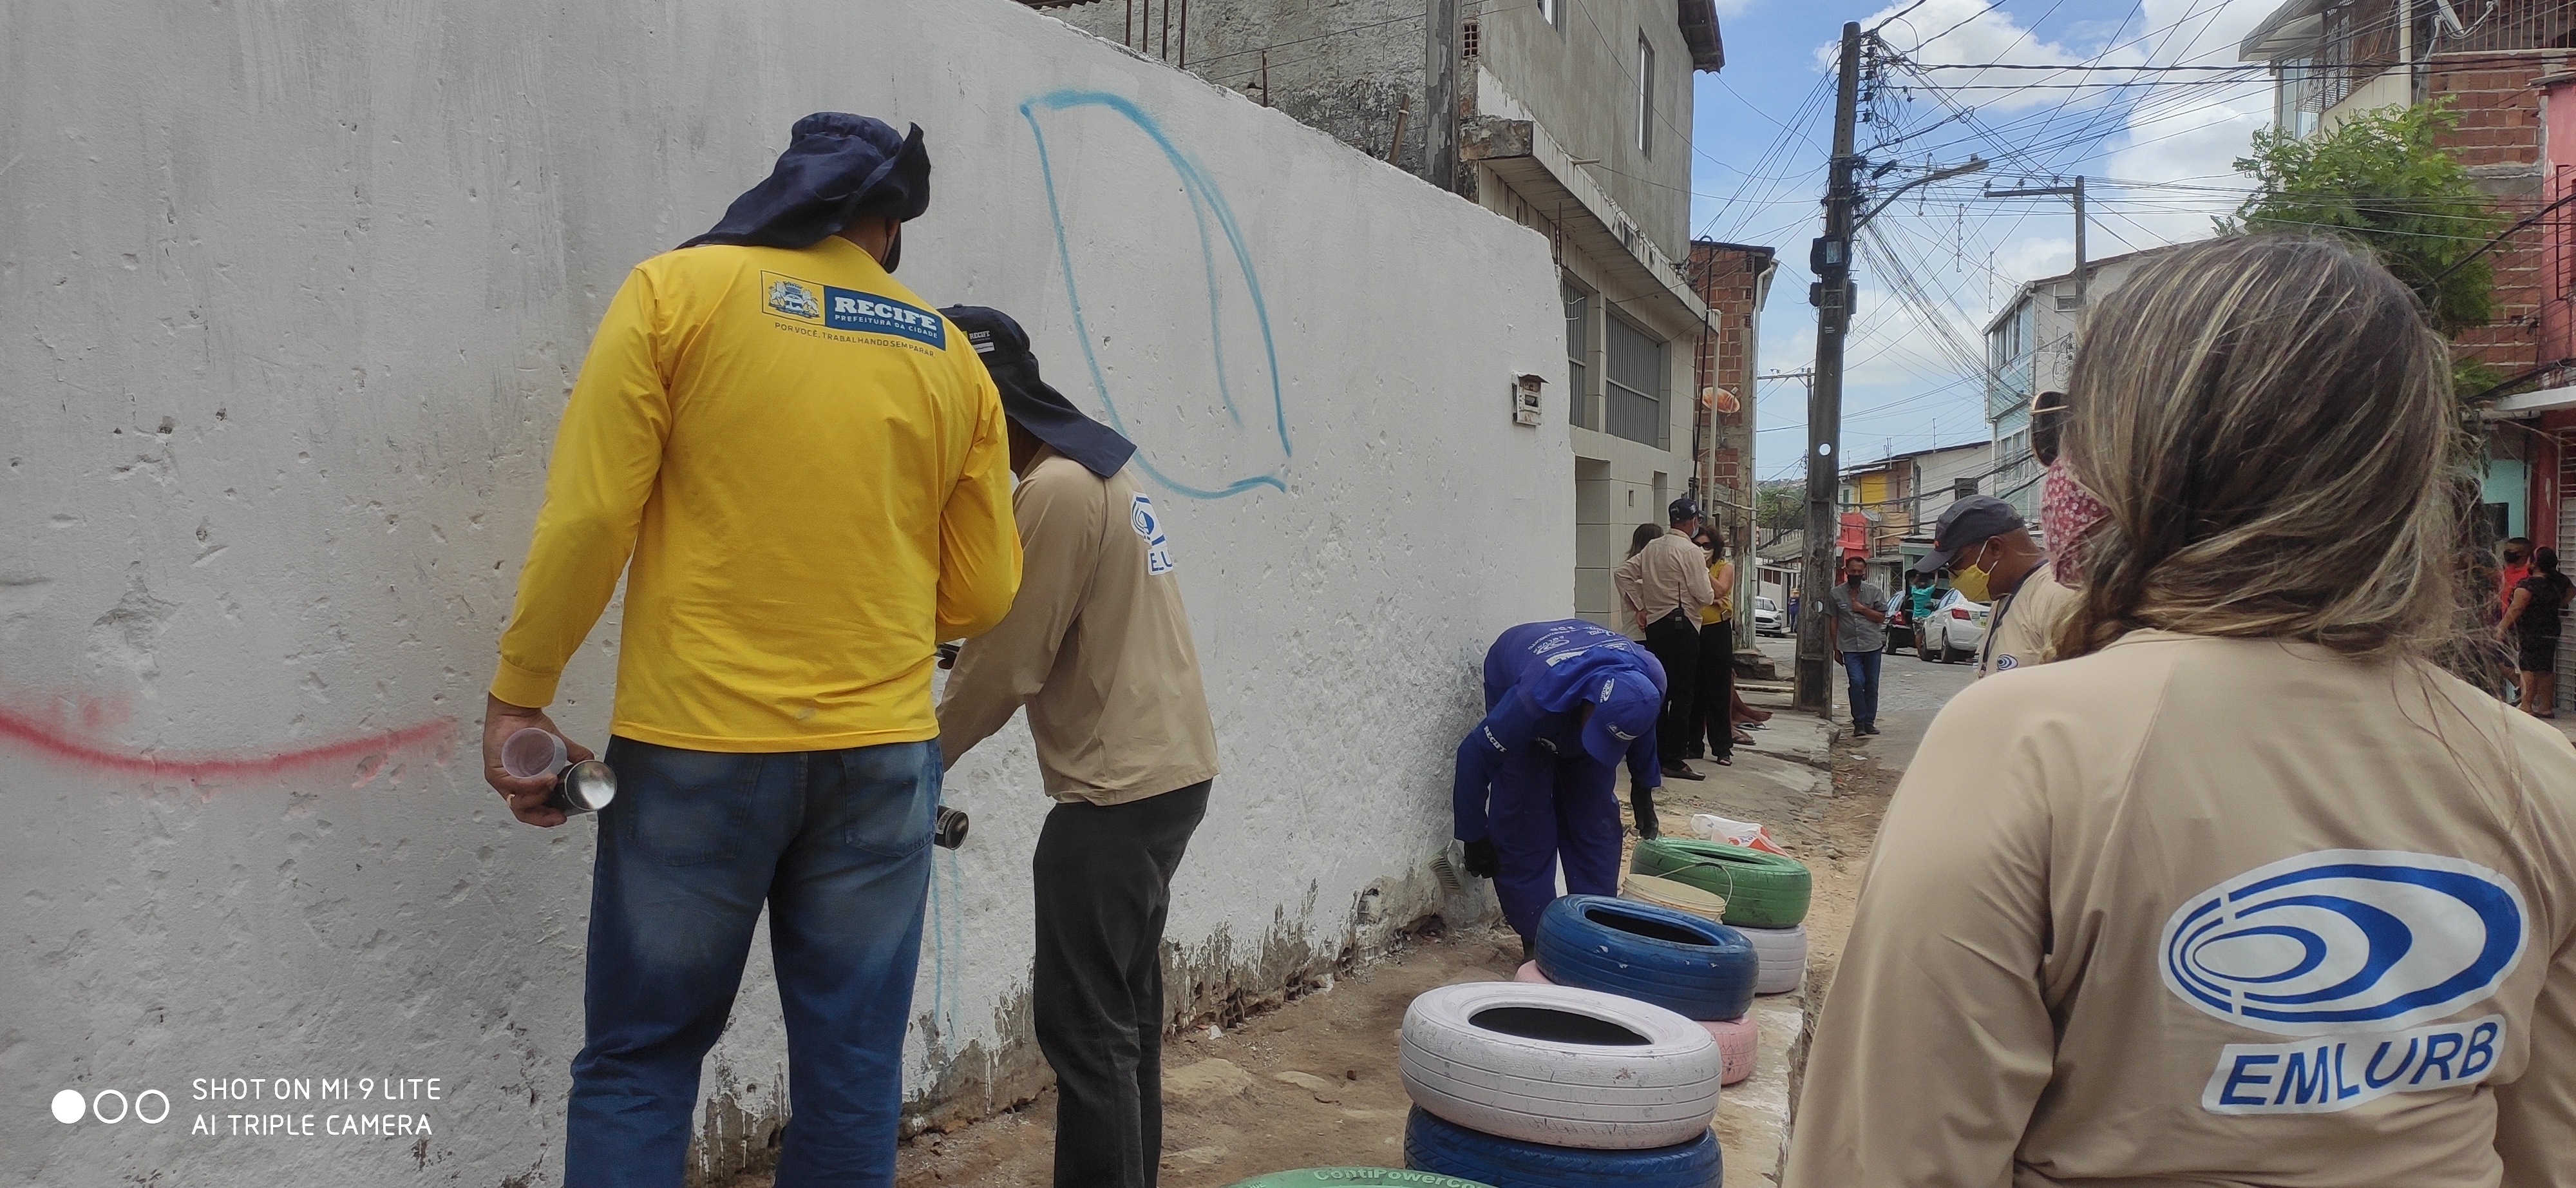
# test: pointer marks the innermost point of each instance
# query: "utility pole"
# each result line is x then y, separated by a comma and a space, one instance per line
1440, 94
2076, 192
1830, 259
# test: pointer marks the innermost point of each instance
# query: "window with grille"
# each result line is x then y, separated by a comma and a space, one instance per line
1578, 352
1468, 38
1633, 388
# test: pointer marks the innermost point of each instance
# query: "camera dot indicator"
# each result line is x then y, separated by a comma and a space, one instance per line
68, 1106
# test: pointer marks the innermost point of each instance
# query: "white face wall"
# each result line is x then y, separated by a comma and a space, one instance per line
293, 295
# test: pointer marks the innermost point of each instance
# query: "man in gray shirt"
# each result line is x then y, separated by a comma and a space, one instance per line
1860, 639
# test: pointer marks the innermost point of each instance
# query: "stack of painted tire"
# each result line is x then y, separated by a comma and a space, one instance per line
1532, 1086
1766, 897
1694, 967
1355, 1177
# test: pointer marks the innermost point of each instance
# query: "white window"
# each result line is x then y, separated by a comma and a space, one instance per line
1645, 96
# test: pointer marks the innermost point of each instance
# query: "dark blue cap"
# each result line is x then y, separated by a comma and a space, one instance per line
1028, 401
837, 167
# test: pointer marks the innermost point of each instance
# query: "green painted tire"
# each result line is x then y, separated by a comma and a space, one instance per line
1762, 889
1356, 1177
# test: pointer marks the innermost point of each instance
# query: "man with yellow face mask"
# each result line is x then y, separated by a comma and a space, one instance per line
1987, 548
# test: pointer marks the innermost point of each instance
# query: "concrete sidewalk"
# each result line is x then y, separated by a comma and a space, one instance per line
1781, 781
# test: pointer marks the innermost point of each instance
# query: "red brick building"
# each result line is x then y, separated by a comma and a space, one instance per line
1734, 280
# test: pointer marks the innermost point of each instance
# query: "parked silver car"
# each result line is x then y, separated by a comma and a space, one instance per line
1956, 628
1767, 619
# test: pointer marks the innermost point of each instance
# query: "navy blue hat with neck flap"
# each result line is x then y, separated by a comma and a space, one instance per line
1028, 401
837, 167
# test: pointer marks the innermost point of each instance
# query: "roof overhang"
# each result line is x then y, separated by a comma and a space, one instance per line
2289, 32
1699, 29
1530, 161
2531, 404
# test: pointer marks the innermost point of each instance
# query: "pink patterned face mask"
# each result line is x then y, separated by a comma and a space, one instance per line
2066, 512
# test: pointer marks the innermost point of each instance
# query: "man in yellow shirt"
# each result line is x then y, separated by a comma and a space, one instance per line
800, 468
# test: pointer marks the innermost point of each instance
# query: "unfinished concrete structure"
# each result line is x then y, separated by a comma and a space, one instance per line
1573, 119
295, 294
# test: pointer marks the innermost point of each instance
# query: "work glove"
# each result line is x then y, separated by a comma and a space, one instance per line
1482, 862
1641, 805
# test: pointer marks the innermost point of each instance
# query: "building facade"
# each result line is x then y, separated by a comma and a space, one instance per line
1571, 118
2030, 348
1902, 496
1734, 280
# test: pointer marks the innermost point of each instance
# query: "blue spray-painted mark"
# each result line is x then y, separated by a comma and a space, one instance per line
1206, 203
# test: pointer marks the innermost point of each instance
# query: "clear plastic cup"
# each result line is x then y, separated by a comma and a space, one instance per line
533, 752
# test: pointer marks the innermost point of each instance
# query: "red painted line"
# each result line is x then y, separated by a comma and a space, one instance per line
31, 734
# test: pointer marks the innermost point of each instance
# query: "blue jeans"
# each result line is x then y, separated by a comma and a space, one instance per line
1862, 668
837, 844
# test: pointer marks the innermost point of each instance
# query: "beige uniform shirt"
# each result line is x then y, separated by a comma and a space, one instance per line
1096, 646
2209, 912
2023, 629
1669, 574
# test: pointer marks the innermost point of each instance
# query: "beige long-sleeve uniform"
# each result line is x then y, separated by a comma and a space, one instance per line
2206, 912
1669, 574
1096, 645
2023, 629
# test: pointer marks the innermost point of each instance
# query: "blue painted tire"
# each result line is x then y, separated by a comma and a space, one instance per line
1356, 1177
1653, 954
1434, 1145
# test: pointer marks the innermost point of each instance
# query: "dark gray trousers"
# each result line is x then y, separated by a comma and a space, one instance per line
1104, 888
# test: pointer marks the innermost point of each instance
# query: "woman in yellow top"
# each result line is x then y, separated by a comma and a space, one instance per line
1716, 690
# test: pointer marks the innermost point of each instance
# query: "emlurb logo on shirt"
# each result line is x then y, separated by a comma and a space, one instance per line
1158, 549
850, 309
2359, 952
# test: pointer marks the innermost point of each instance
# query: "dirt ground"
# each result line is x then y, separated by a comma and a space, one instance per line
1314, 1083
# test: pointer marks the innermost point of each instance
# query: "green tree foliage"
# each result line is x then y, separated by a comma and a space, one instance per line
1781, 506
2379, 180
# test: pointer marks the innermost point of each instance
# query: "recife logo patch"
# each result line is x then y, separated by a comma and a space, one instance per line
794, 298
2359, 952
1158, 549
850, 309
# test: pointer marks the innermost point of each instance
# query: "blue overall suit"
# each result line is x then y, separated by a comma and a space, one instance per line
1535, 776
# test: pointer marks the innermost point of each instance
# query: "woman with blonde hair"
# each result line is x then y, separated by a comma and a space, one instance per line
2244, 888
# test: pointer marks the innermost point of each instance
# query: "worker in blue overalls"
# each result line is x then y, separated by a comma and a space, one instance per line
1564, 701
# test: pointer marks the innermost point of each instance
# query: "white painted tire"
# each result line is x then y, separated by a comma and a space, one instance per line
1782, 953
1551, 1070
1738, 1042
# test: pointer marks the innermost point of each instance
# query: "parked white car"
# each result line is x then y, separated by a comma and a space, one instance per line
1767, 619
1956, 628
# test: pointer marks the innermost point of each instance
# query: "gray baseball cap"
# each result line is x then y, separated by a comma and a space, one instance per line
1965, 524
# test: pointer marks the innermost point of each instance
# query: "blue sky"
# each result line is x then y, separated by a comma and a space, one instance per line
2155, 150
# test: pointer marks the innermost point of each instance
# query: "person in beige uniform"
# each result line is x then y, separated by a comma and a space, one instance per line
1663, 587
2243, 889
1987, 548
1097, 647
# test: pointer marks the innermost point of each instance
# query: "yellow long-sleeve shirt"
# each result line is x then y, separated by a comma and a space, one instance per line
808, 466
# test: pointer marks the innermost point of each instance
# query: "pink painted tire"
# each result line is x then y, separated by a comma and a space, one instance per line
1528, 972
1737, 1041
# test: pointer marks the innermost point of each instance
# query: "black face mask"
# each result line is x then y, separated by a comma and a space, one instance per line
894, 249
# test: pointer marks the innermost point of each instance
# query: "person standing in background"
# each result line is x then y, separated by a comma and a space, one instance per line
1987, 550
1713, 703
2516, 554
1860, 639
1097, 647
808, 468
2532, 625
1662, 587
